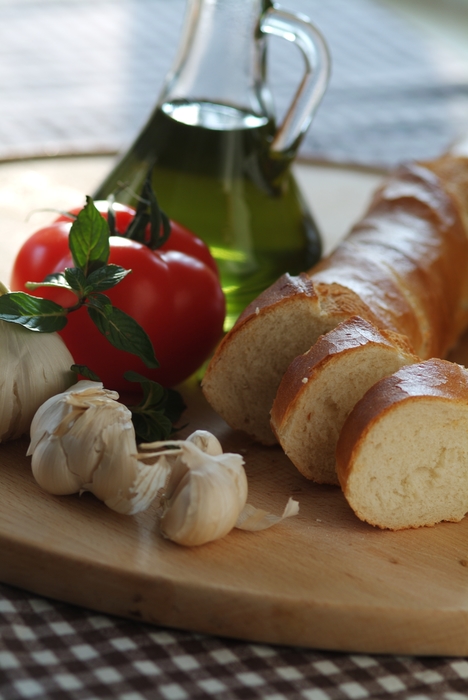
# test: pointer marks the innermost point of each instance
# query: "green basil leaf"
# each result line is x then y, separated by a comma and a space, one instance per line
89, 239
154, 417
153, 393
32, 312
120, 329
175, 405
85, 372
76, 279
56, 279
105, 278
151, 426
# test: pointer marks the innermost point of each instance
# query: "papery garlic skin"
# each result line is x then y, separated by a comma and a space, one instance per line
84, 440
34, 367
256, 519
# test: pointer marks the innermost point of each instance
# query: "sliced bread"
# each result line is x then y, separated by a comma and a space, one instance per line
403, 267
402, 455
320, 388
243, 376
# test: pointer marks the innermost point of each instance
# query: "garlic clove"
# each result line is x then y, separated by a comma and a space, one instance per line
102, 432
57, 410
50, 471
205, 504
122, 481
84, 440
206, 494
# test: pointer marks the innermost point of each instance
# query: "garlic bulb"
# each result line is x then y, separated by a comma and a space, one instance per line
205, 492
83, 440
34, 366
205, 497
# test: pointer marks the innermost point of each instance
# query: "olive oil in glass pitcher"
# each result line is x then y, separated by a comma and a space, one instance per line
221, 165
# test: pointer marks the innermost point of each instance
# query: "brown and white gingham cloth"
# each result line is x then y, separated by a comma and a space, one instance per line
60, 652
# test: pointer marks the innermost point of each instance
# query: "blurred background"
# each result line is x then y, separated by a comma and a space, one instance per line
82, 76
79, 78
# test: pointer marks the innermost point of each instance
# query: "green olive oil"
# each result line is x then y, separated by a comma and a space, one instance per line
213, 171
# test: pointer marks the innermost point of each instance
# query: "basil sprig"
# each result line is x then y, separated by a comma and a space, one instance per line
91, 275
88, 279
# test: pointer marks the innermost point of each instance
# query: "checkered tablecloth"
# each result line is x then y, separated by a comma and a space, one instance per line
82, 76
57, 651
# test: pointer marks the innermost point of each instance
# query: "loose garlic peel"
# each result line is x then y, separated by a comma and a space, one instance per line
255, 519
35, 366
83, 440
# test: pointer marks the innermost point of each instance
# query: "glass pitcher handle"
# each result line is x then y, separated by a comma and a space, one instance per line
300, 31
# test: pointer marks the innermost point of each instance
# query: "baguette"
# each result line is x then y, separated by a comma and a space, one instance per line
402, 454
403, 268
244, 374
320, 388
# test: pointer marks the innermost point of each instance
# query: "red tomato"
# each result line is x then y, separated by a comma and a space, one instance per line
180, 239
174, 296
39, 256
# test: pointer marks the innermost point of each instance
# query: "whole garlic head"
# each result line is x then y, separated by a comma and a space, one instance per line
34, 367
83, 440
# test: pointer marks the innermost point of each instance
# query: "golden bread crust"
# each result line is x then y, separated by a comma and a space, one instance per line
403, 450
436, 378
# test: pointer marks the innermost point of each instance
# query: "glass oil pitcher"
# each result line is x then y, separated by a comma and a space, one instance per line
221, 163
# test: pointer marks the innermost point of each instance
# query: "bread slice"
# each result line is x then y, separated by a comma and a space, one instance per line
402, 455
320, 388
242, 378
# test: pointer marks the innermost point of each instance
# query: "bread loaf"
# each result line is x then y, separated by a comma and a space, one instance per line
402, 455
403, 268
320, 388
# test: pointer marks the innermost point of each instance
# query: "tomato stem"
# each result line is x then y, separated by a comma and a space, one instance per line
148, 212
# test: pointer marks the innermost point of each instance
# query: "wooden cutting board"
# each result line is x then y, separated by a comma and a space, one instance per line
321, 579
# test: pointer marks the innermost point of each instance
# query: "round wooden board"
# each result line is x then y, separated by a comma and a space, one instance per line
321, 579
